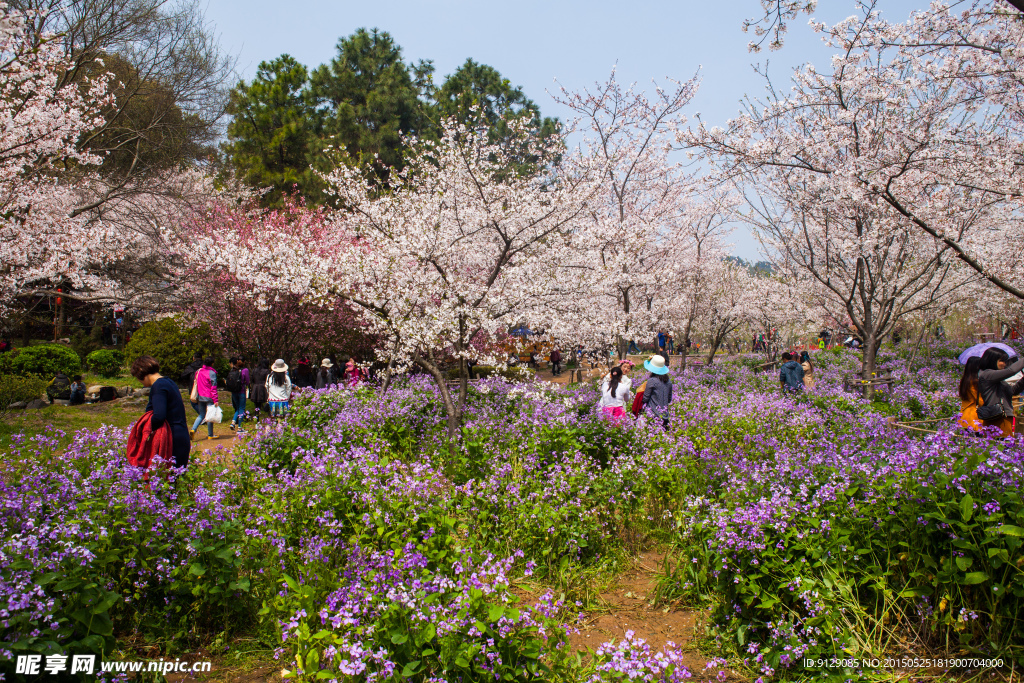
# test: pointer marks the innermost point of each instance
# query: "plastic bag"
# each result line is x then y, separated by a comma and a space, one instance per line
213, 414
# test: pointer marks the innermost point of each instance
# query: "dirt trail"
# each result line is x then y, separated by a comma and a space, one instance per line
628, 606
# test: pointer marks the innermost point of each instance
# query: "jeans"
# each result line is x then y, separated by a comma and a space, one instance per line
556, 367
238, 403
201, 409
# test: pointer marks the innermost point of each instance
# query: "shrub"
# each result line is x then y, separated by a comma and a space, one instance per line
46, 361
84, 344
105, 362
15, 389
173, 343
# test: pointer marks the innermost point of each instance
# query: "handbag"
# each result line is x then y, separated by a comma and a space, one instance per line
987, 412
194, 396
213, 414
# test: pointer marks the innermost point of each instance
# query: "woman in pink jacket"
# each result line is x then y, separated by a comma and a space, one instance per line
204, 394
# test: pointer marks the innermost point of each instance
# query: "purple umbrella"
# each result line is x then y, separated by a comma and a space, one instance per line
978, 350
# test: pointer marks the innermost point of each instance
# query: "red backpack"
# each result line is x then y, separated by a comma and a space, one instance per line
144, 444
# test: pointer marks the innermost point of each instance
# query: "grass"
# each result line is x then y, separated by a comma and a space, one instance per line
118, 413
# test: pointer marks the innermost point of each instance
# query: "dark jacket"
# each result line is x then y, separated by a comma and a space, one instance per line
657, 396
994, 391
792, 374
189, 373
258, 394
168, 408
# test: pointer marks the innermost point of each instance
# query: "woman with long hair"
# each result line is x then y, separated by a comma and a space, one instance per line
808, 366
615, 395
970, 399
997, 395
279, 388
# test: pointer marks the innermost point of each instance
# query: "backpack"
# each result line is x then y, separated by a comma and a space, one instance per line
234, 381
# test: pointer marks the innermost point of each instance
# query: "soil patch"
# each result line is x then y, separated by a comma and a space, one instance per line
628, 605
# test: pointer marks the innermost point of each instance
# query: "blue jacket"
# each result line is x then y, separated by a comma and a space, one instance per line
792, 374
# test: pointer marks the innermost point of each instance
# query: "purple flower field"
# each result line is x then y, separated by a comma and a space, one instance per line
356, 544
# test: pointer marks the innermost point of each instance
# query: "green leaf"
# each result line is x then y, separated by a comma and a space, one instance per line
915, 592
1010, 530
967, 507
495, 613
410, 669
964, 563
399, 638
197, 569
975, 578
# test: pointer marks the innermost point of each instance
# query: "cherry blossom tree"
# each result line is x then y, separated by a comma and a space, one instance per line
39, 127
640, 242
841, 176
453, 246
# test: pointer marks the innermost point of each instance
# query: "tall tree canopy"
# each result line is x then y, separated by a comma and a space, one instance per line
362, 105
271, 138
367, 98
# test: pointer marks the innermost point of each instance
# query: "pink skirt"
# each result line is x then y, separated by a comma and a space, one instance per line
615, 413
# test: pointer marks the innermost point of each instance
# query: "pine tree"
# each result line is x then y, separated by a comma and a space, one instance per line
272, 138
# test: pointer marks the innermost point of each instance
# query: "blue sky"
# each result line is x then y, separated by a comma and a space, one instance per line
533, 42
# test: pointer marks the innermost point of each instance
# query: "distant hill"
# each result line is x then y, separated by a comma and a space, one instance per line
761, 268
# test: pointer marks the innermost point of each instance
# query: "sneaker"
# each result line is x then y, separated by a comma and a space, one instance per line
211, 438
233, 427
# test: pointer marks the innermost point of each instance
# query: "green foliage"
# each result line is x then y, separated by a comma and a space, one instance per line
14, 389
84, 344
173, 343
105, 362
356, 109
46, 361
478, 95
272, 138
369, 98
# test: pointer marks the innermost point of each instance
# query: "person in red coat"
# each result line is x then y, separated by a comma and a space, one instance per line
168, 410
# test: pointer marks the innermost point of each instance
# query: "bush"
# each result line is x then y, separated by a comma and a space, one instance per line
46, 361
105, 362
15, 389
84, 344
172, 343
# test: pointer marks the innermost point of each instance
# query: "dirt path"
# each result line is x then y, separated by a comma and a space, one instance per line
629, 606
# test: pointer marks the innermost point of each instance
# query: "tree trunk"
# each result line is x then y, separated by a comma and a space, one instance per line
917, 346
451, 408
868, 370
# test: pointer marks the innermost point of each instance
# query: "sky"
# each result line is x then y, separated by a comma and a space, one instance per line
533, 43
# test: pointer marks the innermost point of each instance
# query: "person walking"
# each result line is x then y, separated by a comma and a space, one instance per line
657, 390
996, 395
167, 407
204, 395
808, 368
279, 388
615, 395
325, 376
238, 384
556, 362
671, 344
791, 375
258, 386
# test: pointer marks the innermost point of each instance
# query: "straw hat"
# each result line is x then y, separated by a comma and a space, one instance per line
656, 365
326, 363
279, 366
